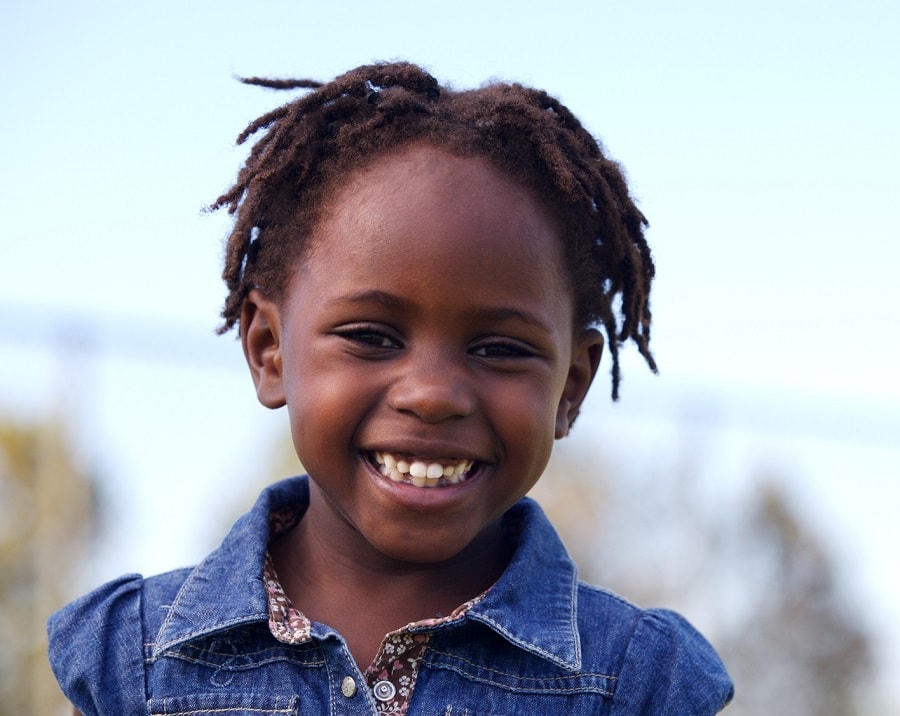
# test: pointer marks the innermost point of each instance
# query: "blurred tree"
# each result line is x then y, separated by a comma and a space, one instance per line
747, 568
45, 505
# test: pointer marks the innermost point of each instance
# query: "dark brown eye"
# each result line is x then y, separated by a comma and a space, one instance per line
502, 349
370, 337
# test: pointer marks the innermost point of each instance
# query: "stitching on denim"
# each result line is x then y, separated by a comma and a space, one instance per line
224, 626
288, 710
280, 653
530, 678
605, 592
528, 645
275, 708
573, 690
331, 692
252, 665
143, 622
223, 676
526, 687
219, 627
573, 617
171, 611
273, 649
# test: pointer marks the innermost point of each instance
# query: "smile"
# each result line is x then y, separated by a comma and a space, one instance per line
422, 472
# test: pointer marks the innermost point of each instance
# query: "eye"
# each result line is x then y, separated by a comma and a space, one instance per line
369, 336
505, 348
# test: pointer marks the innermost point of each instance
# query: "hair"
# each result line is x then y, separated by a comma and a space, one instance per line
310, 145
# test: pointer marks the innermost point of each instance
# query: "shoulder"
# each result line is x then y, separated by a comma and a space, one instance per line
665, 666
96, 643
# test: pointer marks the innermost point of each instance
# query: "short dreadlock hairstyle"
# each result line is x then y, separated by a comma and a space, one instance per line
311, 144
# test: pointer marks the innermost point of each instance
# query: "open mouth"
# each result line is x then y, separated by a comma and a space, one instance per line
422, 472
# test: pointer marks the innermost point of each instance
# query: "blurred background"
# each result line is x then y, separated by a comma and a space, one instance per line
753, 484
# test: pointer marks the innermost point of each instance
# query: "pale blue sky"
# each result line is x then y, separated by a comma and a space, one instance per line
762, 140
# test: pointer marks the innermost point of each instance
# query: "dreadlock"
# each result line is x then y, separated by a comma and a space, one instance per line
310, 145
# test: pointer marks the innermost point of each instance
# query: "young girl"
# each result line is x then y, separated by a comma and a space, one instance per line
424, 277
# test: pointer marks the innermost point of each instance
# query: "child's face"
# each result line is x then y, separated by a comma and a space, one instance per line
431, 322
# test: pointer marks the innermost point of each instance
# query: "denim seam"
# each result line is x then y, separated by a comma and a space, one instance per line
282, 652
456, 657
573, 616
243, 667
534, 689
331, 689
190, 636
527, 645
288, 710
612, 595
534, 648
285, 655
451, 667
193, 634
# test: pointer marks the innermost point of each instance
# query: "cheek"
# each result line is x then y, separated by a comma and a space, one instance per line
530, 424
315, 411
327, 402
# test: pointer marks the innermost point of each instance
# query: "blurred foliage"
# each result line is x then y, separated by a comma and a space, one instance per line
45, 507
747, 568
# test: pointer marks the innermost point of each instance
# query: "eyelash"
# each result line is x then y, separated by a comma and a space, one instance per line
370, 337
374, 338
503, 349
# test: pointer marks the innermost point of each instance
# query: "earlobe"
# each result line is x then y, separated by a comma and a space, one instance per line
261, 339
586, 354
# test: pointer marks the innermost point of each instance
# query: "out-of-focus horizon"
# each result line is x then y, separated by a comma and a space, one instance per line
761, 141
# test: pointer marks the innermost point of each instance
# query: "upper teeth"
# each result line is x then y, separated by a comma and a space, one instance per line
422, 473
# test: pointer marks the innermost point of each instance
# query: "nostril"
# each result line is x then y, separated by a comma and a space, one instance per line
432, 384
432, 401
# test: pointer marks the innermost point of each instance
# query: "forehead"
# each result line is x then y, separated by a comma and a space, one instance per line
413, 186
418, 214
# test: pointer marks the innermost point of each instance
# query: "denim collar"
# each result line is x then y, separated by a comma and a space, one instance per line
532, 605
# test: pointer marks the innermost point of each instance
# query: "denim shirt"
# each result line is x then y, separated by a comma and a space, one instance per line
197, 641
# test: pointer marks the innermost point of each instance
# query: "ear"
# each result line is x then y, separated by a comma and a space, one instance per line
586, 352
261, 339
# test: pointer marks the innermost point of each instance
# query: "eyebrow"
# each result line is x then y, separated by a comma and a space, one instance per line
488, 313
510, 314
388, 300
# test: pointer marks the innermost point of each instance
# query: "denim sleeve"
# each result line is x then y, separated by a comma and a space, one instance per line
670, 670
96, 650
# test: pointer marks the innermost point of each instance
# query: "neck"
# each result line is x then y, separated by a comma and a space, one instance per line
365, 595
310, 564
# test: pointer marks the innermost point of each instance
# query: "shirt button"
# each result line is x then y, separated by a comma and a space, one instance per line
384, 690
348, 687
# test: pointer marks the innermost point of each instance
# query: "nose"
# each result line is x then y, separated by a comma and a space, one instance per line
433, 386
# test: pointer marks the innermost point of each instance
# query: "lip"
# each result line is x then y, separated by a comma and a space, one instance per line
429, 450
